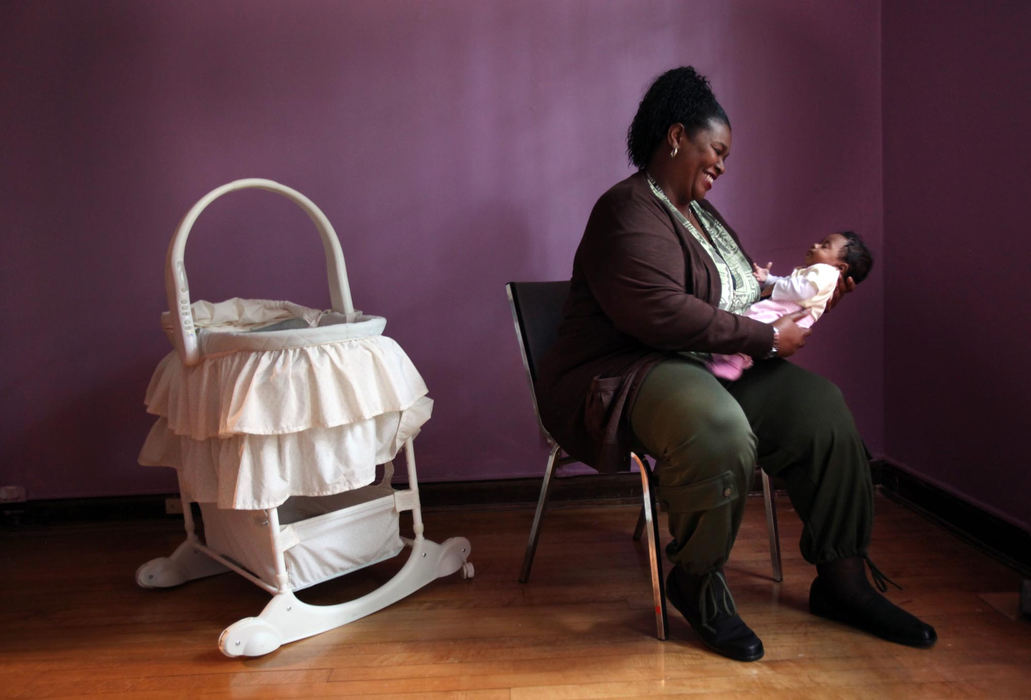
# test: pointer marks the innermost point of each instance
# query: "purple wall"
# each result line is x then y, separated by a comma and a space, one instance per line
957, 103
454, 144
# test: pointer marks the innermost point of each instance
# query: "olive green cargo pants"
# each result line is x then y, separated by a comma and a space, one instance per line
707, 436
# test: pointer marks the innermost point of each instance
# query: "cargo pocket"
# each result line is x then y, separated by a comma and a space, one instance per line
598, 418
704, 495
701, 518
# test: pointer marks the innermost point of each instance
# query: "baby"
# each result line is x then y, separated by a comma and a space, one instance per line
809, 288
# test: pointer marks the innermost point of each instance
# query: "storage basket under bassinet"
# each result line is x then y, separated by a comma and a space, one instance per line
275, 417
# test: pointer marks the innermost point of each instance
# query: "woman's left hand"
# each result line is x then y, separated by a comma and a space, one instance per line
790, 336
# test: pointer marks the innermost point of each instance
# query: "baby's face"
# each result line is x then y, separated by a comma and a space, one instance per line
830, 251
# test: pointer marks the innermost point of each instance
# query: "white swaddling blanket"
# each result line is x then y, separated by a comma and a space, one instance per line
266, 415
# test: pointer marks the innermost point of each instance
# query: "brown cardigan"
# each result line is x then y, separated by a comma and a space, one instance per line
642, 289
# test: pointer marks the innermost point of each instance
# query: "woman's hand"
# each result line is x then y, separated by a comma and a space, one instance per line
845, 285
790, 335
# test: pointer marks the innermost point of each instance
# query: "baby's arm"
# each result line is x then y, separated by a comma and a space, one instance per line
809, 287
795, 288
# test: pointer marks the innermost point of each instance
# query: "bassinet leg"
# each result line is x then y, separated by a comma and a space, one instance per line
287, 619
186, 563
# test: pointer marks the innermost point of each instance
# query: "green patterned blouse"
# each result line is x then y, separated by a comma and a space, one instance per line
738, 288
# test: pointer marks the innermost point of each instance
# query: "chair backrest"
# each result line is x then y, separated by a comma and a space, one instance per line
536, 312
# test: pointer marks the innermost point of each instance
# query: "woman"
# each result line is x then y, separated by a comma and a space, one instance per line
657, 282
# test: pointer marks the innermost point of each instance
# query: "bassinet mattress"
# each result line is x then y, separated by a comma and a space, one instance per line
271, 414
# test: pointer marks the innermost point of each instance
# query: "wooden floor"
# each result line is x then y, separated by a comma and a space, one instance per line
75, 625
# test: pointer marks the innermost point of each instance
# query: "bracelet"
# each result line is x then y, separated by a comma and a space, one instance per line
776, 342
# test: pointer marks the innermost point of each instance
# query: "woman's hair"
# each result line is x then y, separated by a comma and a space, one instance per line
678, 95
857, 256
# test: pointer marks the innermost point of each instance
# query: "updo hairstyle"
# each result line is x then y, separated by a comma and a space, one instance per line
678, 95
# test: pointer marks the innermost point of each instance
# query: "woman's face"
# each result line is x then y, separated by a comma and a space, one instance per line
702, 158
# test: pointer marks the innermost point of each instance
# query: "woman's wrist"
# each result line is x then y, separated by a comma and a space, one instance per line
776, 343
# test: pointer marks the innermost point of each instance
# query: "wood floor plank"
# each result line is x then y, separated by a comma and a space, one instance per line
76, 625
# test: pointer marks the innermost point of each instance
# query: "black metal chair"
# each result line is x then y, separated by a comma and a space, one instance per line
537, 311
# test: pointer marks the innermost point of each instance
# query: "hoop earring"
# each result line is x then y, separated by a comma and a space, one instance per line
673, 153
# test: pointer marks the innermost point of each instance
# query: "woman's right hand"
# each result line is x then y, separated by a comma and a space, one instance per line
790, 335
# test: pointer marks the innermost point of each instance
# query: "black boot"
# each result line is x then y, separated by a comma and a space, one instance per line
841, 592
708, 606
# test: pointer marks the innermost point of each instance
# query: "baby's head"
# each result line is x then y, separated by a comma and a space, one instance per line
844, 250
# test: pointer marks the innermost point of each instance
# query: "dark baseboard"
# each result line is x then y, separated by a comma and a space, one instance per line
496, 493
1000, 539
85, 510
624, 487
993, 535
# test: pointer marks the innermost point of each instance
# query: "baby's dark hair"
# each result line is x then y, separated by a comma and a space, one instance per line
857, 256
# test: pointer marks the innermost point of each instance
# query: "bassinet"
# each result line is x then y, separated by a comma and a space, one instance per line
275, 417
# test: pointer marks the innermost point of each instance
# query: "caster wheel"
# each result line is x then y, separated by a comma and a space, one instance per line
467, 570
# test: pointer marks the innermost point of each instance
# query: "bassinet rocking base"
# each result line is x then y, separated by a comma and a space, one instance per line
286, 618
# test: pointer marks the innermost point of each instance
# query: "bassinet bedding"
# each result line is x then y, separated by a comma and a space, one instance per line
313, 415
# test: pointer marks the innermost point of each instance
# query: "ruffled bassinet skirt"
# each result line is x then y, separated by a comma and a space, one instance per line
266, 415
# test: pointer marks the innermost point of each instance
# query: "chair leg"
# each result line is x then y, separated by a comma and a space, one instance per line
535, 528
639, 528
651, 522
771, 526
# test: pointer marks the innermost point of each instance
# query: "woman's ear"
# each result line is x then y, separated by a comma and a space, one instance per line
674, 134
